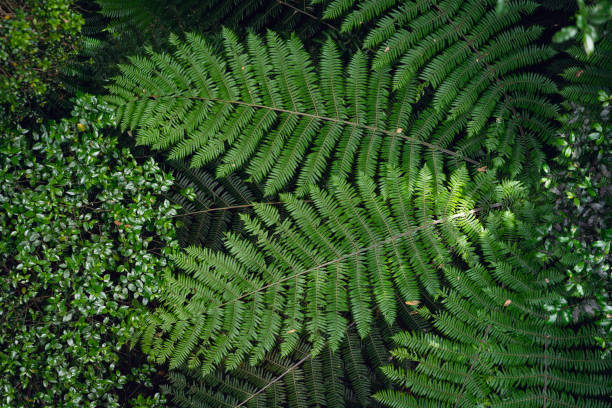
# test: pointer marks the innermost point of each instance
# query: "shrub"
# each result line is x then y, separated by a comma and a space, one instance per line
84, 239
579, 232
37, 37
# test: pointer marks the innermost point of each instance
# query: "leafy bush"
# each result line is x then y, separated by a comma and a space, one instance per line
38, 36
590, 20
579, 183
84, 243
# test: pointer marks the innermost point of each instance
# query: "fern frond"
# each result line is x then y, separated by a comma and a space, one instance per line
469, 55
156, 18
214, 207
492, 339
590, 77
267, 105
311, 268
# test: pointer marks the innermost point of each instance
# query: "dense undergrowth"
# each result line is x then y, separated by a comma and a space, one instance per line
375, 203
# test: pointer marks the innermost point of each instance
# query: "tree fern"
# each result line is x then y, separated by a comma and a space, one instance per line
265, 109
469, 56
344, 254
493, 343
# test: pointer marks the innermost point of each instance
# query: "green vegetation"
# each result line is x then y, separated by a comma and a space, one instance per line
325, 203
591, 19
85, 238
578, 180
37, 37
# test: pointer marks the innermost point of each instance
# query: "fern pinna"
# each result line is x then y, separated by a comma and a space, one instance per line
471, 59
494, 344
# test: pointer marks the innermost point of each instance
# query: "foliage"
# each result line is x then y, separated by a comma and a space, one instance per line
591, 18
341, 379
578, 182
268, 111
466, 53
588, 76
115, 29
156, 19
209, 206
98, 56
391, 141
37, 37
580, 232
349, 253
400, 216
493, 344
241, 106
85, 238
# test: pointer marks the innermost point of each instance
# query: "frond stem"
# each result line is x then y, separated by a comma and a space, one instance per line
473, 365
299, 10
284, 373
360, 250
231, 207
398, 133
262, 389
